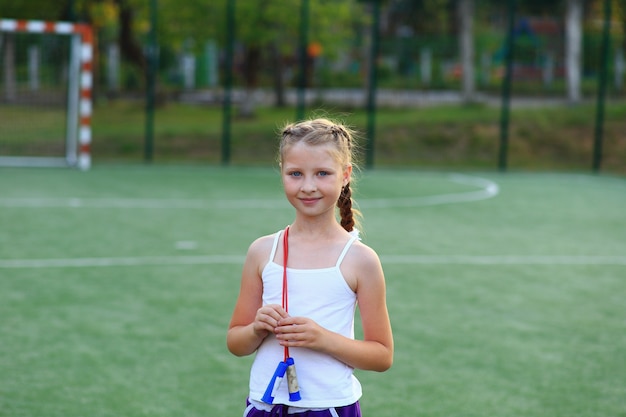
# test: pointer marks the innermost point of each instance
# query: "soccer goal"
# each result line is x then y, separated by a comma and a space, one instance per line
45, 93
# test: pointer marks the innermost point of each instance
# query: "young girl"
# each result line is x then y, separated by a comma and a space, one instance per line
305, 305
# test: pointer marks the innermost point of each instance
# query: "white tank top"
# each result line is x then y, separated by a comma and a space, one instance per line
324, 296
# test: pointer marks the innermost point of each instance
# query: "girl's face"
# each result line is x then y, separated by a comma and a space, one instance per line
312, 178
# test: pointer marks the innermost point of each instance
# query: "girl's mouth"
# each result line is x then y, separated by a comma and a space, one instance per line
309, 200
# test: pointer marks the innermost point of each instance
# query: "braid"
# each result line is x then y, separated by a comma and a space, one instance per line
345, 208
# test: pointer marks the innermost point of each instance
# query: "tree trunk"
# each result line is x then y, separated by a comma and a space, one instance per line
573, 48
251, 71
466, 42
279, 79
128, 45
8, 59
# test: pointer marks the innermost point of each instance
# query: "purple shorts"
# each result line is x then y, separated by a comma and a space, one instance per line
281, 410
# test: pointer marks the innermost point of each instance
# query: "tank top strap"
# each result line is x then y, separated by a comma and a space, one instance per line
275, 245
345, 250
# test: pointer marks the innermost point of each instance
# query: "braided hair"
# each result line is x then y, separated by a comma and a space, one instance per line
320, 132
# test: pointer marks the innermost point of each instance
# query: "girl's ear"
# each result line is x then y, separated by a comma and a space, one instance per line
347, 174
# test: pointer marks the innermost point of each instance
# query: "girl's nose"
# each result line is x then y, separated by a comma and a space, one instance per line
308, 185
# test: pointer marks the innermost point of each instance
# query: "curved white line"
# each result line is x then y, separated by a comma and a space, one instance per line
487, 189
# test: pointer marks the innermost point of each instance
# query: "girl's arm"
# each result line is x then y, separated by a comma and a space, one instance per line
375, 351
251, 321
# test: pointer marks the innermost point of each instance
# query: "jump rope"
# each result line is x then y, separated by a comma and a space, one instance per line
287, 366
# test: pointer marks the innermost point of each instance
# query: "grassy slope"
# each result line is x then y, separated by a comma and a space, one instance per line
544, 138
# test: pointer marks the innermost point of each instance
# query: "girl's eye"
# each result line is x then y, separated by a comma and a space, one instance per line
295, 174
322, 173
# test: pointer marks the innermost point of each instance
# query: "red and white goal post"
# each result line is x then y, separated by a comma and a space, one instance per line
79, 75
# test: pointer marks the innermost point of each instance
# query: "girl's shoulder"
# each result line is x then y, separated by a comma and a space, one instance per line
361, 263
363, 255
261, 248
262, 243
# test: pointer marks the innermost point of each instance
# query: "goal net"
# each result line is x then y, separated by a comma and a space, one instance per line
45, 93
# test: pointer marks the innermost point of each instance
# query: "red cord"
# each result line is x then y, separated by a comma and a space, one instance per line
285, 302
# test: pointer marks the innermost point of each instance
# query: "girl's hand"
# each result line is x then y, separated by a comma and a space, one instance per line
267, 318
300, 332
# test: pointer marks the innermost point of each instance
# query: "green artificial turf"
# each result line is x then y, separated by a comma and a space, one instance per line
117, 285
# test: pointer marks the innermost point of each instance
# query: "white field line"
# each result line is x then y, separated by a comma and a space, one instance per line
121, 261
563, 260
505, 259
486, 189
140, 203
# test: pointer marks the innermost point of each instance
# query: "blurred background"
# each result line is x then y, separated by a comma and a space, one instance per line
522, 84
505, 283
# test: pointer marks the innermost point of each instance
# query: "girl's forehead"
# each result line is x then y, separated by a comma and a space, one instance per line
303, 151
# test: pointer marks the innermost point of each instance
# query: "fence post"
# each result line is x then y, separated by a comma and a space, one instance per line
151, 55
302, 58
604, 58
506, 88
228, 81
372, 85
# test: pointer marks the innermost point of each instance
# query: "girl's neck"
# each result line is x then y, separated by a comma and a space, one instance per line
315, 229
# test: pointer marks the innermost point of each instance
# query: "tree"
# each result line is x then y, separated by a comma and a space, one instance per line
33, 9
267, 31
573, 48
466, 42
423, 16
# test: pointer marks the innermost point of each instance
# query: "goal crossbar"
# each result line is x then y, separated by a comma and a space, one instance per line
79, 97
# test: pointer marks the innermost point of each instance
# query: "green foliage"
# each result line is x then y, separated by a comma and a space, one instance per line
31, 9
179, 22
423, 16
258, 22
